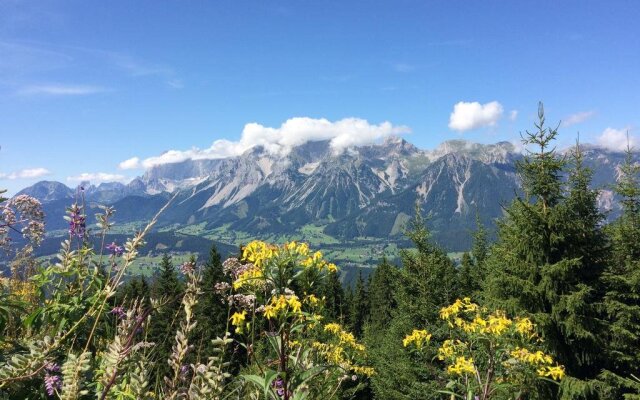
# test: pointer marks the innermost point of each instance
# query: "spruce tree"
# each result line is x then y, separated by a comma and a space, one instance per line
622, 282
468, 282
426, 283
334, 297
211, 310
546, 263
381, 296
359, 307
480, 252
167, 291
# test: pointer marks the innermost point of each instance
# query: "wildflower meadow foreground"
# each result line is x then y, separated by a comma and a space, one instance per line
68, 335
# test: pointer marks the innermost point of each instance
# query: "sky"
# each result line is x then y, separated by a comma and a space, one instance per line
102, 90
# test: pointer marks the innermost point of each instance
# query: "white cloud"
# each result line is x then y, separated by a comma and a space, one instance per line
513, 115
616, 139
132, 163
60, 90
97, 177
29, 173
293, 132
577, 118
467, 116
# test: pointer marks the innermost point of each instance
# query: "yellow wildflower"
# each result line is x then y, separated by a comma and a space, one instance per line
497, 324
555, 373
295, 304
524, 326
419, 337
461, 366
237, 320
311, 299
446, 350
331, 267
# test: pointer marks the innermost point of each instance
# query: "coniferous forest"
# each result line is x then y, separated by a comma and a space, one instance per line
549, 309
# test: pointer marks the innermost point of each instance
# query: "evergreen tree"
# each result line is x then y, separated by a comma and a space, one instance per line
135, 289
211, 311
334, 296
359, 307
381, 296
426, 283
546, 262
622, 280
468, 282
167, 291
480, 251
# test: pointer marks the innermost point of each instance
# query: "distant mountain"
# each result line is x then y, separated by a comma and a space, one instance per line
365, 192
46, 191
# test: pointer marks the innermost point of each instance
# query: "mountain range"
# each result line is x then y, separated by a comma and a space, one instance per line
364, 195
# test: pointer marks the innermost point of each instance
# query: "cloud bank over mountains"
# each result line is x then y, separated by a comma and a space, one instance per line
342, 134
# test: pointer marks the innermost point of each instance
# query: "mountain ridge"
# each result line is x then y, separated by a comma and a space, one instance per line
366, 191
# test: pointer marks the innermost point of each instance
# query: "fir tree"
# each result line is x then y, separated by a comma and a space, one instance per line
359, 307
211, 310
468, 281
135, 289
333, 294
546, 263
480, 251
426, 283
622, 280
167, 291
381, 295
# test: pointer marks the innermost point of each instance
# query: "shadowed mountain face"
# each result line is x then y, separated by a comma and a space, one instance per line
368, 191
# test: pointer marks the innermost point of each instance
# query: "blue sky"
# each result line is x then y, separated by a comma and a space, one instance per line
86, 85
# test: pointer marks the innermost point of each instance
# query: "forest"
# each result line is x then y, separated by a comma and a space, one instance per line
550, 309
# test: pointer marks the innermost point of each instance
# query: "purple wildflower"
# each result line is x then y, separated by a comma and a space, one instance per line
51, 366
278, 384
77, 223
115, 250
52, 383
118, 312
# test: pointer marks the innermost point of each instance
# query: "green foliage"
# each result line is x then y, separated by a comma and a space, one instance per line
168, 291
211, 312
382, 286
359, 307
549, 258
622, 279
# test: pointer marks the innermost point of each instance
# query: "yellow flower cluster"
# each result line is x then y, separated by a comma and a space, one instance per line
555, 372
542, 361
525, 327
535, 358
449, 348
458, 306
311, 300
316, 261
252, 277
336, 353
468, 316
345, 338
462, 366
258, 253
282, 305
418, 337
297, 248
237, 320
